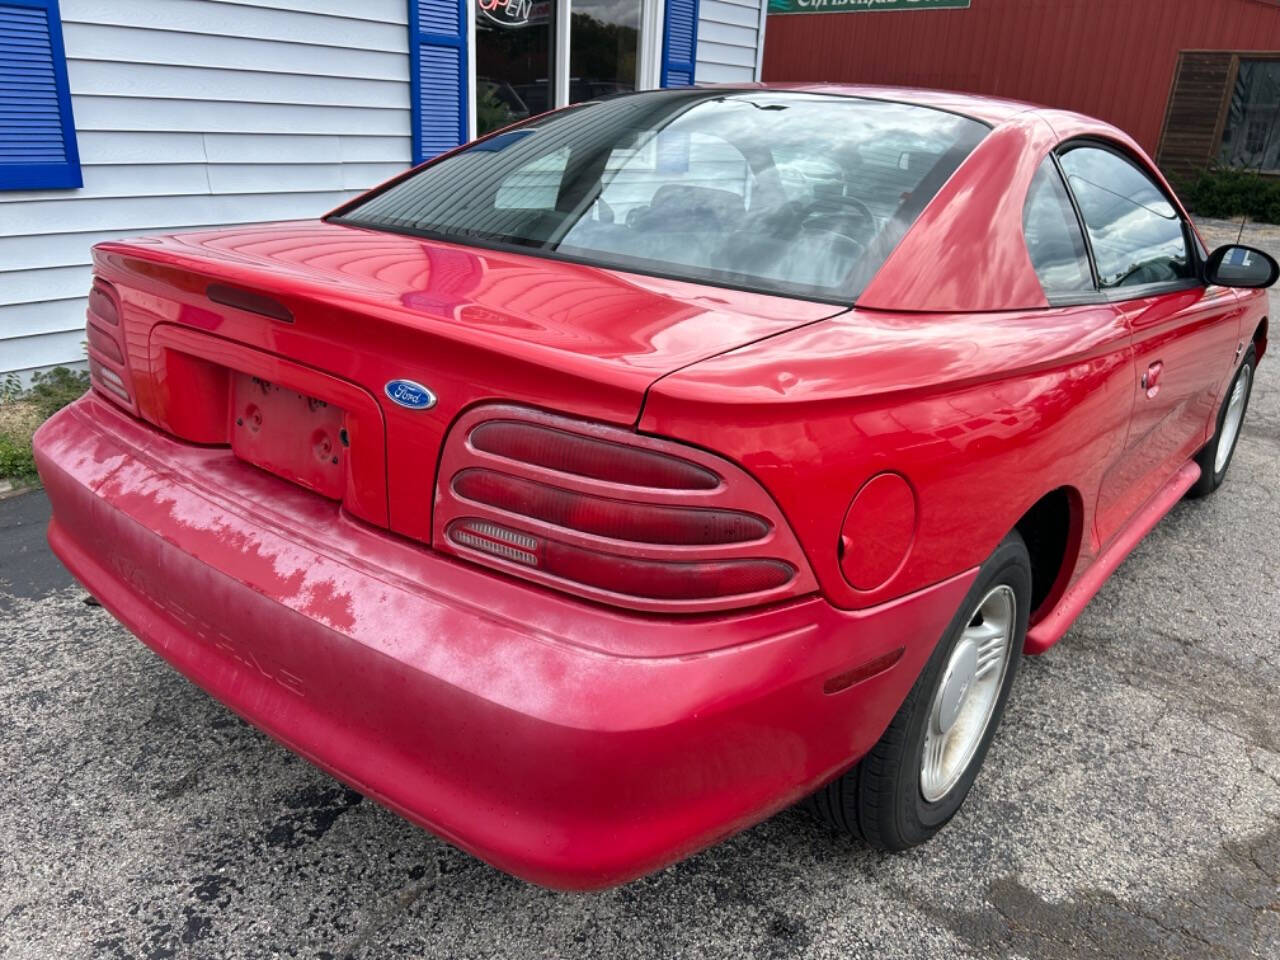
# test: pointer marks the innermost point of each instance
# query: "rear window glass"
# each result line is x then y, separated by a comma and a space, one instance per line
792, 193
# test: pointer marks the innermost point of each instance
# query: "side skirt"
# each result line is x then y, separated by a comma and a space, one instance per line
1051, 629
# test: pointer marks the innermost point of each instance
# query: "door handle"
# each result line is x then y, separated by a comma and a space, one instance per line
1151, 379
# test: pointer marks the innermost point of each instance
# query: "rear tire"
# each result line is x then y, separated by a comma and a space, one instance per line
1215, 459
908, 787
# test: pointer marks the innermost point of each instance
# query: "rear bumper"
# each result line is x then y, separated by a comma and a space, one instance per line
571, 745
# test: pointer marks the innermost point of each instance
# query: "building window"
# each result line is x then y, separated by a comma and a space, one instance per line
515, 61
479, 65
37, 132
604, 48
1250, 138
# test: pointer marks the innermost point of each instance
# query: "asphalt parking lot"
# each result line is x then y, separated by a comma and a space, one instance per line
1130, 807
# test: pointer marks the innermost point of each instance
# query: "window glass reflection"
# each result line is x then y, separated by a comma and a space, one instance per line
604, 38
784, 192
1249, 137
1053, 235
1136, 234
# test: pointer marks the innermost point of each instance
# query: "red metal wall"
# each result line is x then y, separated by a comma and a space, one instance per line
1113, 59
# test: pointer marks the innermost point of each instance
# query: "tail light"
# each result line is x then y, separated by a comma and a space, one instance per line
611, 515
108, 370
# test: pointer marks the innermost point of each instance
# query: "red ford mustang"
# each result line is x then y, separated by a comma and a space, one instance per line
599, 488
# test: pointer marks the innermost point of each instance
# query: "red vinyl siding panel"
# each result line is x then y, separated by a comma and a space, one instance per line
1112, 59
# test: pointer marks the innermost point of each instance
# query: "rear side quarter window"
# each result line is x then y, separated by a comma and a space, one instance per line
1055, 242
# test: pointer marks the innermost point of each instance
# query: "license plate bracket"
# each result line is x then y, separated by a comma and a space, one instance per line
290, 434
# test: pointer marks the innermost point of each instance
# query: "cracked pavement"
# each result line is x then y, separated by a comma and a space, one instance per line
1130, 806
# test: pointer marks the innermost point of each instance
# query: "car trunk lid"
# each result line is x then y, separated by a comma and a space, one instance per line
292, 327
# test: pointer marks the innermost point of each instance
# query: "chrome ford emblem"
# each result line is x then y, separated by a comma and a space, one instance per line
409, 394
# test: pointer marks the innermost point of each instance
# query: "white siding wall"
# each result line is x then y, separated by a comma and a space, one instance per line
195, 113
730, 37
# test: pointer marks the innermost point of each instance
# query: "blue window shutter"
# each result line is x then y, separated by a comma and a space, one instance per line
37, 132
437, 75
679, 43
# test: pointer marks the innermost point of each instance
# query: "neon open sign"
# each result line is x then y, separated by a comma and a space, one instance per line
514, 13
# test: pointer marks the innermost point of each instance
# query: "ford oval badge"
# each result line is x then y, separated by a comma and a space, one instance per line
409, 394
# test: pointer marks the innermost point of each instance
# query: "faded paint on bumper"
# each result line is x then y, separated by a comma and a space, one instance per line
568, 744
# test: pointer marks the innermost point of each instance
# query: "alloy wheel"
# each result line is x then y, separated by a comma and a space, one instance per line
966, 698
1234, 418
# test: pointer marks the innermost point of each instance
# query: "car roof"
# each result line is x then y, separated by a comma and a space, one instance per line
990, 110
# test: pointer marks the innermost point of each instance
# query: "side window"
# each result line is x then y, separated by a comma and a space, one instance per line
1136, 234
1053, 236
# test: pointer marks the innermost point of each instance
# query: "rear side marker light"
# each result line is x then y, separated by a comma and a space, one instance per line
588, 457
605, 517
865, 671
